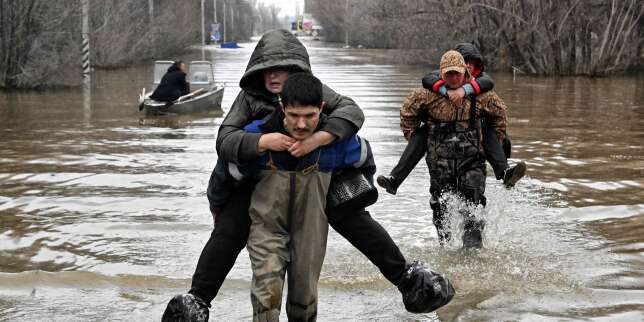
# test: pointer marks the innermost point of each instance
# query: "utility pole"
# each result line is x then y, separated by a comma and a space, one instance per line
214, 11
203, 25
214, 19
151, 11
203, 32
298, 16
346, 22
232, 17
85, 43
225, 28
87, 81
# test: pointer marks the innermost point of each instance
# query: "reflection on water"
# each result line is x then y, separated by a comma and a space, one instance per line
103, 213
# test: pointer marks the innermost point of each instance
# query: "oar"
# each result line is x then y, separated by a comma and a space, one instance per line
141, 99
184, 97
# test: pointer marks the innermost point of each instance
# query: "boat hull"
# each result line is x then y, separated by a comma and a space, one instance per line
208, 102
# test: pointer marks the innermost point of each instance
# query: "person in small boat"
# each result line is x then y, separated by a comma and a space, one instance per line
173, 84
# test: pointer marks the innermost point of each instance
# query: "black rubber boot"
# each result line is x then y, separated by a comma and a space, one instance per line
514, 174
186, 308
389, 183
424, 291
440, 221
473, 233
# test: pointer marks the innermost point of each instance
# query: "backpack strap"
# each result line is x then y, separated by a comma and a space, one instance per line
475, 121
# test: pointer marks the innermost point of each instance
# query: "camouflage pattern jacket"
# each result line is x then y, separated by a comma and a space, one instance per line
425, 106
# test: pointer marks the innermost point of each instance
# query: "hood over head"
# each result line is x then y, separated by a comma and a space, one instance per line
175, 66
276, 48
470, 52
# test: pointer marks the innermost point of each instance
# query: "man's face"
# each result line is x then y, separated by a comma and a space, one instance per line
274, 79
454, 79
300, 121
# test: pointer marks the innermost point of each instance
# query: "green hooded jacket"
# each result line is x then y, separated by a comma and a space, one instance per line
277, 48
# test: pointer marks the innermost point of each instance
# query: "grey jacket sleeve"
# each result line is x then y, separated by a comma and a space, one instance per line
430, 79
485, 83
345, 117
233, 144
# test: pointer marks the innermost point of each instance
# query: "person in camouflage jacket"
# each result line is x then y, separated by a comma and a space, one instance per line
496, 151
455, 152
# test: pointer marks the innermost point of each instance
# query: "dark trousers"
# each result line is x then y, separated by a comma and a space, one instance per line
231, 231
469, 184
497, 154
413, 153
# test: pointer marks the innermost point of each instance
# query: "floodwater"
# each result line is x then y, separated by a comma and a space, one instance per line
103, 215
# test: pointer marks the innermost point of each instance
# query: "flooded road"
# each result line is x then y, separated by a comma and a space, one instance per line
103, 215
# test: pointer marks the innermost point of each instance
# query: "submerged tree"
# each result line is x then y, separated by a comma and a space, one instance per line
565, 37
40, 39
267, 17
38, 43
547, 37
121, 30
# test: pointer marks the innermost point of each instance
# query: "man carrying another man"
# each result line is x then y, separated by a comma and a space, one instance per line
455, 145
277, 55
497, 151
288, 225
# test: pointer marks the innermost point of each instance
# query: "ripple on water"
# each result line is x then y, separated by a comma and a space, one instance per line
114, 206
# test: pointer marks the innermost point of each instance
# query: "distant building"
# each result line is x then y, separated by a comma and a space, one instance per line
305, 25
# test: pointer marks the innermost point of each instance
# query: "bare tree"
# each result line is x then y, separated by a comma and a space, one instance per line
121, 32
331, 14
268, 15
240, 18
34, 49
564, 37
40, 39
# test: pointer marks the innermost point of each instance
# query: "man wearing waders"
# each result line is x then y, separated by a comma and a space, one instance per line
496, 151
454, 146
288, 225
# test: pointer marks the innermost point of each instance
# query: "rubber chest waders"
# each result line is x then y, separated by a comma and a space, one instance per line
288, 236
456, 164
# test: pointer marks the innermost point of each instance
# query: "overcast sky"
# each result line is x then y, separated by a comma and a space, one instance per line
288, 6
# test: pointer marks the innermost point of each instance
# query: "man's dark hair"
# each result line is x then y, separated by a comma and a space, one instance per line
302, 89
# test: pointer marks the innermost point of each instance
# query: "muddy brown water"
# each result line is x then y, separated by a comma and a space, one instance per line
103, 214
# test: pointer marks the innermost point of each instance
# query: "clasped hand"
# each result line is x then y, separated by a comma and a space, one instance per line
281, 142
456, 95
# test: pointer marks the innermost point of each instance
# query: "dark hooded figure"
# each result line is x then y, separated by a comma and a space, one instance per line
277, 53
173, 84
